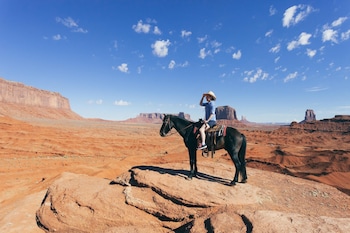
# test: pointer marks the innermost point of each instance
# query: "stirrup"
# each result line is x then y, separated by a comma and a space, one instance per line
205, 153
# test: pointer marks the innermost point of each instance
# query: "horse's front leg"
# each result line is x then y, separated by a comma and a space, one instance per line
193, 162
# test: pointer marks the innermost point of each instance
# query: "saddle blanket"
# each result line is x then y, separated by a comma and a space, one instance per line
219, 129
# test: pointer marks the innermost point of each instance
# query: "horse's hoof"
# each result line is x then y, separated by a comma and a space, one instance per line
244, 181
233, 183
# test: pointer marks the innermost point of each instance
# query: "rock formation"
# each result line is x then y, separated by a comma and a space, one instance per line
161, 199
154, 117
21, 101
225, 113
309, 116
18, 93
340, 123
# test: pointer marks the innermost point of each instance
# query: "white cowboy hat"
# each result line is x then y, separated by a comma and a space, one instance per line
210, 93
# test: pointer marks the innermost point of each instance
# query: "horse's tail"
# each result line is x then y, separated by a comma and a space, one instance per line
242, 150
241, 157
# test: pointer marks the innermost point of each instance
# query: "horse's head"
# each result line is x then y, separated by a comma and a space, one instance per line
166, 126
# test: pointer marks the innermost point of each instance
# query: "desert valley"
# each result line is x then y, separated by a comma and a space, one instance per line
60, 172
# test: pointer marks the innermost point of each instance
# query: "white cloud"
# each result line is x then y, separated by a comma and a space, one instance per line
171, 64
311, 53
121, 103
292, 45
269, 33
140, 27
275, 49
237, 55
122, 68
315, 89
272, 10
156, 31
344, 107
68, 22
303, 40
146, 28
339, 21
345, 35
57, 37
185, 64
216, 45
139, 69
202, 39
99, 102
290, 76
330, 35
277, 59
203, 54
71, 23
160, 48
253, 75
81, 30
185, 33
115, 44
295, 14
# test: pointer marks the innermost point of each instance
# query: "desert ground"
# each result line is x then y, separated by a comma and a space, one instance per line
34, 152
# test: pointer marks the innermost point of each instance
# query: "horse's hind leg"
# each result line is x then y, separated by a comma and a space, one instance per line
244, 173
234, 156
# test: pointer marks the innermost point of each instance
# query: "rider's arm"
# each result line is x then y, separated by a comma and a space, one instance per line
201, 102
211, 116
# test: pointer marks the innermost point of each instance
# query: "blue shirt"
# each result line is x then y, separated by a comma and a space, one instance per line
209, 109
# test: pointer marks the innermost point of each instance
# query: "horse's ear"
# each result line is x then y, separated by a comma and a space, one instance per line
162, 116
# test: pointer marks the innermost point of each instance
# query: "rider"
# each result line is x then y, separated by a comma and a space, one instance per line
210, 117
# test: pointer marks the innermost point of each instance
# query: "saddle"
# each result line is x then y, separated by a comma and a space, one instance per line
213, 134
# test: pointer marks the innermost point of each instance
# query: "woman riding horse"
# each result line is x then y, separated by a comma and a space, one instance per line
233, 142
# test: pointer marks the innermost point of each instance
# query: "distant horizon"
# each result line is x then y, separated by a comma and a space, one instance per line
239, 119
114, 59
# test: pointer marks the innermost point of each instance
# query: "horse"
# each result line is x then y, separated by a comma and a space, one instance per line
233, 142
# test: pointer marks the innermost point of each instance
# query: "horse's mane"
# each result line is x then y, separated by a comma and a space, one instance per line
183, 119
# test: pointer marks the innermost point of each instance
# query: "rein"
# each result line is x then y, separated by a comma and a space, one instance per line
177, 131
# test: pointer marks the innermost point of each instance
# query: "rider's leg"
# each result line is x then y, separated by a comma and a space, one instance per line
202, 132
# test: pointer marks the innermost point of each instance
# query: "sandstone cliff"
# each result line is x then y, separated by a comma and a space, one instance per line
18, 93
225, 113
21, 101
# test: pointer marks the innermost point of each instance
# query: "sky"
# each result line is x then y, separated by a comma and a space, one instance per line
269, 60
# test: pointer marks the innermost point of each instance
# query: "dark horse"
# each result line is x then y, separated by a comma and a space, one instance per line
233, 142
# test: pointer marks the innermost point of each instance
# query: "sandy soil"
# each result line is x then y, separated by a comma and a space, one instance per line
33, 153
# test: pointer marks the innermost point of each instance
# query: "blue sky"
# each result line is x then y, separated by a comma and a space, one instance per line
270, 60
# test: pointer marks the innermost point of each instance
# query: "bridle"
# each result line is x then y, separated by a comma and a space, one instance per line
169, 126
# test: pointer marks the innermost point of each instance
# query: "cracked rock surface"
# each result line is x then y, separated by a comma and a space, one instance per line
161, 199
